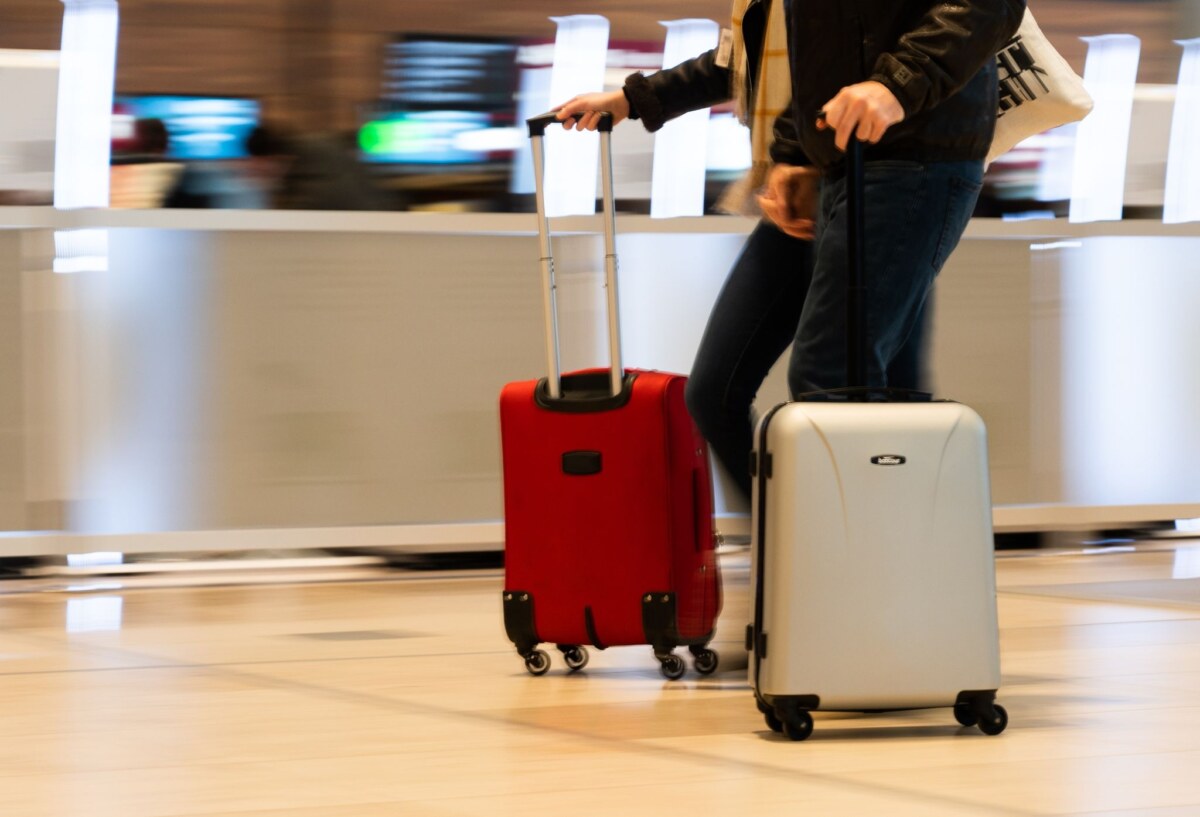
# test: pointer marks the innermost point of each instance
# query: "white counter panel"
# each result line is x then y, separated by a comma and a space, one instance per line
339, 372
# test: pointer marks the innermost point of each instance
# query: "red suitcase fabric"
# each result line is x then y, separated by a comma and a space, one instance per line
603, 541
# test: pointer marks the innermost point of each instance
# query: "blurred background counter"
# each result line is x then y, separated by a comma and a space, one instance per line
264, 379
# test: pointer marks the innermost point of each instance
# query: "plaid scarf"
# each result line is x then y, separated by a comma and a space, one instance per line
772, 94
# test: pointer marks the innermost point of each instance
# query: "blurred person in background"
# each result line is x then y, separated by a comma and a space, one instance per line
284, 171
326, 174
758, 311
144, 176
270, 155
250, 183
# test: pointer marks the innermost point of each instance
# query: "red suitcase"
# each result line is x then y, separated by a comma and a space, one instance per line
607, 498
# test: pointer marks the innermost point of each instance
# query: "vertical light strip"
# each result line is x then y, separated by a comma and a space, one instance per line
1102, 145
85, 98
680, 148
580, 49
1182, 200
84, 132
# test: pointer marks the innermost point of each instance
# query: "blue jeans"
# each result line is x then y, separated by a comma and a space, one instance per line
783, 289
915, 215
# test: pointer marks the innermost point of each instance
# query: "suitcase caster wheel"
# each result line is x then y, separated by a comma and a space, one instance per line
537, 662
994, 723
800, 728
576, 658
673, 667
768, 713
964, 714
773, 722
705, 661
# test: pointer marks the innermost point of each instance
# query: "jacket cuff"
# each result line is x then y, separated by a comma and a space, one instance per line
633, 111
908, 88
643, 100
788, 152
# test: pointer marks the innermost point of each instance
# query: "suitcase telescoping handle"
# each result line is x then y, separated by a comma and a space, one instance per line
856, 283
857, 329
856, 280
537, 131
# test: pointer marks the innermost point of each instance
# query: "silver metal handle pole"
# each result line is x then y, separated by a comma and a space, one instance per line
610, 262
549, 287
537, 130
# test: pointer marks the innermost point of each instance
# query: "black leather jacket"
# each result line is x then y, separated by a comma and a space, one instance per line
936, 56
701, 82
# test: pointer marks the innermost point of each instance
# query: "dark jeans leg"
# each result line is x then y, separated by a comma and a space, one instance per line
915, 215
909, 369
753, 321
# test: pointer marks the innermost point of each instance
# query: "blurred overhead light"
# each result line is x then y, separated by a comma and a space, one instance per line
680, 146
83, 141
1102, 146
85, 103
571, 157
1182, 202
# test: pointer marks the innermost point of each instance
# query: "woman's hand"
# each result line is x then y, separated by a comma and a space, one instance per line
588, 107
789, 200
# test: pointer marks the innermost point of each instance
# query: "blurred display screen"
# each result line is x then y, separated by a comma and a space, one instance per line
197, 127
424, 72
447, 100
436, 137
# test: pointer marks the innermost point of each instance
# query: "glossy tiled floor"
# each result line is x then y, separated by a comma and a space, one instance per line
397, 694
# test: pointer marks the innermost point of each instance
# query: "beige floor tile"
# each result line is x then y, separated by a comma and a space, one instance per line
403, 697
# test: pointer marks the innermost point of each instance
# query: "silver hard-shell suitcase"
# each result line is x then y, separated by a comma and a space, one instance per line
873, 557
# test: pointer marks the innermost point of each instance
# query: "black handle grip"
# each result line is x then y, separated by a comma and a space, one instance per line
853, 146
856, 281
538, 124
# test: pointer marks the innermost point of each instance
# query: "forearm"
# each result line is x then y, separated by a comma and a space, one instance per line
946, 49
693, 84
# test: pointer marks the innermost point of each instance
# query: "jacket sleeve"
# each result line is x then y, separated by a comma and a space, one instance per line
952, 41
785, 149
693, 84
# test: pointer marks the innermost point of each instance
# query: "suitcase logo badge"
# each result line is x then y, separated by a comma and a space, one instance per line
889, 459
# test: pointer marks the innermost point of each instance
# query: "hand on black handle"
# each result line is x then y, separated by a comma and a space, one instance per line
538, 124
854, 146
865, 109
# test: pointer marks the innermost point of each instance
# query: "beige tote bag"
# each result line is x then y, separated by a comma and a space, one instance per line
1038, 89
